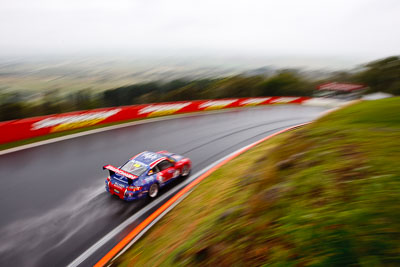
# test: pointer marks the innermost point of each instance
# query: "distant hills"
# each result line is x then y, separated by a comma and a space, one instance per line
100, 73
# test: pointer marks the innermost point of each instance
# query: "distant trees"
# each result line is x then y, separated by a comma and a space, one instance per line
12, 107
236, 86
11, 111
130, 94
381, 75
193, 90
51, 102
285, 83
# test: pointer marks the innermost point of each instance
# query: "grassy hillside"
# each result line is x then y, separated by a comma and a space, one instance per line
326, 194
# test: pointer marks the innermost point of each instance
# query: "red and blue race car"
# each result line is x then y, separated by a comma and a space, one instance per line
144, 174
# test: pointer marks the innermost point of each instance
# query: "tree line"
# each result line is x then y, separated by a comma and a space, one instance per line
382, 75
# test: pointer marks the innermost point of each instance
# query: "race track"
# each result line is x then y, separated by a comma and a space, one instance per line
52, 200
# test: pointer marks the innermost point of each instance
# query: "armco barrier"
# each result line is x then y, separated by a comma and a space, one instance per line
32, 127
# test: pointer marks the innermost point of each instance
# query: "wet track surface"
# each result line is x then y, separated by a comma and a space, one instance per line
52, 200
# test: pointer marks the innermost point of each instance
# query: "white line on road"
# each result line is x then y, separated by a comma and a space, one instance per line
85, 255
122, 125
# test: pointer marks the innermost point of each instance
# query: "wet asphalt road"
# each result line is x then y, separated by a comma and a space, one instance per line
52, 200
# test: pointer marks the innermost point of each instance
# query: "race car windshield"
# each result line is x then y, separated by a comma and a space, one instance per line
134, 167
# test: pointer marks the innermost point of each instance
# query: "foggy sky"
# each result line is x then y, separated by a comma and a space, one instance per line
366, 29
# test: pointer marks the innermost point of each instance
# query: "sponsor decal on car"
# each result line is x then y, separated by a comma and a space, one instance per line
166, 109
150, 155
119, 185
216, 104
119, 171
73, 121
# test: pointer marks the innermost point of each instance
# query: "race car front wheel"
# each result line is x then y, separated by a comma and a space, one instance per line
153, 191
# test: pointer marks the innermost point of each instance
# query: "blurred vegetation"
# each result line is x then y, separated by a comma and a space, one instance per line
381, 75
327, 194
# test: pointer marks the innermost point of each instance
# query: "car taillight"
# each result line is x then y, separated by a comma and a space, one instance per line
134, 188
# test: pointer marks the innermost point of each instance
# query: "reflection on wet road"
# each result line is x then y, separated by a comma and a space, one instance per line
53, 202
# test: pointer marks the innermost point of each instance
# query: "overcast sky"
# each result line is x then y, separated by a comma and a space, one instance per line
366, 29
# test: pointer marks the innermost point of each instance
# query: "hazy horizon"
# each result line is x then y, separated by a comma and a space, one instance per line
309, 33
310, 62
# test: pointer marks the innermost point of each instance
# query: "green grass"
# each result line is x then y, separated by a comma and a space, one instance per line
326, 194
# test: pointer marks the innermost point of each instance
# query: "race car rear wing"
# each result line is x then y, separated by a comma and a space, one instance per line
113, 170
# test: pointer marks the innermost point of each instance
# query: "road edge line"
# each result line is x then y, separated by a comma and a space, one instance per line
123, 125
181, 194
99, 243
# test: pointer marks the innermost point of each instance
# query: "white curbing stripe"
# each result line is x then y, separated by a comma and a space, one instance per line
119, 228
135, 216
310, 102
108, 128
234, 154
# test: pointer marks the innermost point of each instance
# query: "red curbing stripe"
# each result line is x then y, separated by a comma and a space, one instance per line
125, 241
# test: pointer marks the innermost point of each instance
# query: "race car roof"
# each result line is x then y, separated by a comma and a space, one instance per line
149, 158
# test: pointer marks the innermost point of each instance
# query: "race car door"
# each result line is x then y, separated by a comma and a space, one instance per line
167, 171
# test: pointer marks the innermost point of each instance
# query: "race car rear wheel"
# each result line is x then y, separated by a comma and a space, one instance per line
153, 190
185, 171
